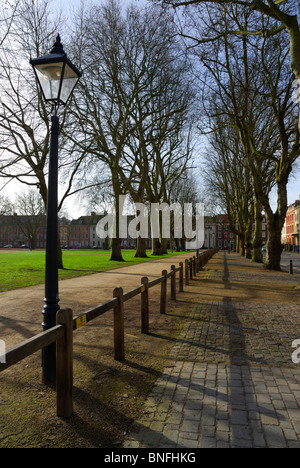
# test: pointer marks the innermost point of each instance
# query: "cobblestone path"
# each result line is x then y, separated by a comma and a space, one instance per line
231, 381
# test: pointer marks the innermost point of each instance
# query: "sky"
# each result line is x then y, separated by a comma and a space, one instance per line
294, 188
73, 207
67, 4
294, 184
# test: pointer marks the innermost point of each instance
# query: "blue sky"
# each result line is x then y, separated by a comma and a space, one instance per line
73, 3
294, 187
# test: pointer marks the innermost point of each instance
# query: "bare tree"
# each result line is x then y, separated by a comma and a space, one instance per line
252, 84
6, 206
185, 189
100, 111
132, 100
227, 175
24, 119
160, 148
31, 213
24, 116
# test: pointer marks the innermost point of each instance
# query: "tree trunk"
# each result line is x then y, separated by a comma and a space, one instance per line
156, 247
237, 244
275, 224
116, 252
177, 245
294, 33
157, 243
242, 247
248, 243
141, 251
257, 256
164, 246
274, 246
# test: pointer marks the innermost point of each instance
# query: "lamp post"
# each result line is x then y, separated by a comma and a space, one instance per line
57, 78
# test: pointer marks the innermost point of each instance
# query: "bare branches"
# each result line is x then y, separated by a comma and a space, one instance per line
135, 99
8, 12
251, 96
24, 117
283, 14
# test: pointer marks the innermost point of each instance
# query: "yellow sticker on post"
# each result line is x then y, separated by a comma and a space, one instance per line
81, 321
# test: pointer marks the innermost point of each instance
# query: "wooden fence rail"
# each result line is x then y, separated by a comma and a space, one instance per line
62, 333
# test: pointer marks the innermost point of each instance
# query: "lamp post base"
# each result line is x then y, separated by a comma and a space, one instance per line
49, 352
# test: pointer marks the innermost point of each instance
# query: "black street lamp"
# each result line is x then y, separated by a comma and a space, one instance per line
57, 78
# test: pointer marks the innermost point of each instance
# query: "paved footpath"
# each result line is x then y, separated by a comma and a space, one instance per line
231, 381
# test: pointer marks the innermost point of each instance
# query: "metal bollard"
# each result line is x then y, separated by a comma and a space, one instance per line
291, 267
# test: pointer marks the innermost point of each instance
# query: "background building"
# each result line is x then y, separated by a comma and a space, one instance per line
291, 231
217, 233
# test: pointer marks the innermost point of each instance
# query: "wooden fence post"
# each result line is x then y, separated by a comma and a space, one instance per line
181, 277
186, 272
145, 305
119, 325
173, 283
64, 365
163, 295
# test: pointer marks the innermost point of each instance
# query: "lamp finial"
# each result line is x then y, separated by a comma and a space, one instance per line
57, 47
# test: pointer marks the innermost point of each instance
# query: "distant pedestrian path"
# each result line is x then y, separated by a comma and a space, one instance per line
233, 379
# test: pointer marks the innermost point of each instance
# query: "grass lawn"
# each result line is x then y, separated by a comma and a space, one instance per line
20, 268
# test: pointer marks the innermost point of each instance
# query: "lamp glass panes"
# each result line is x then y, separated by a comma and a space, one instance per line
56, 74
